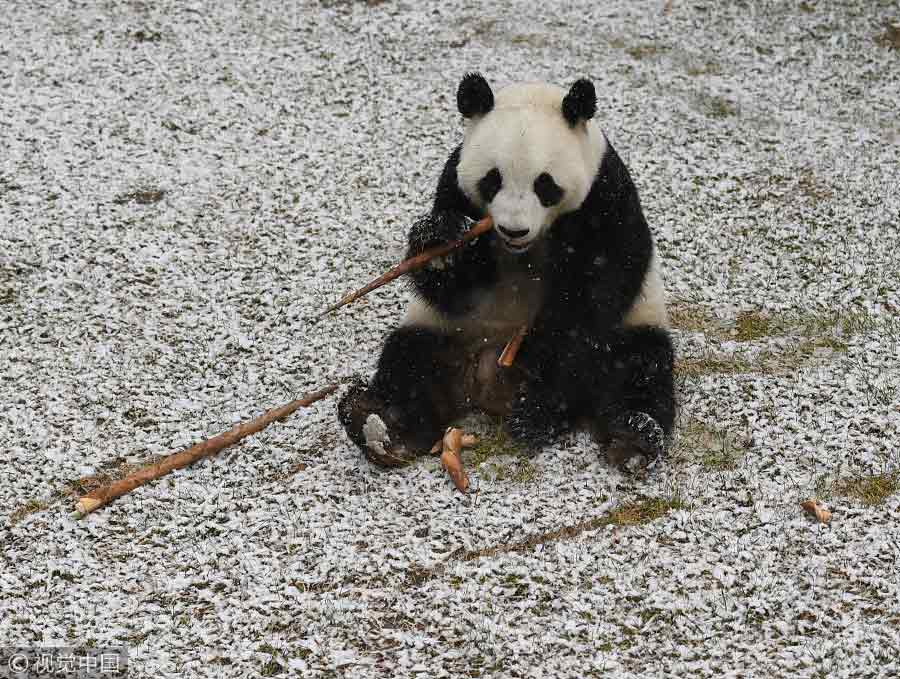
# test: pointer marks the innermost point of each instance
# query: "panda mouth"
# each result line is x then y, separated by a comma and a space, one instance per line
516, 247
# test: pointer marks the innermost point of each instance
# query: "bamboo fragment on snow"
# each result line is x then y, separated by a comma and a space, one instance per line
105, 494
453, 442
816, 509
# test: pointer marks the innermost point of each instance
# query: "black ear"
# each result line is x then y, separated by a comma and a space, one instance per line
474, 96
580, 103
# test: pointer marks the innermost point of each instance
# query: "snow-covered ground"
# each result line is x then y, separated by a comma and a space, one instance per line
183, 185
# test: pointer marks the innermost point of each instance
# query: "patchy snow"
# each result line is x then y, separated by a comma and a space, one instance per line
183, 186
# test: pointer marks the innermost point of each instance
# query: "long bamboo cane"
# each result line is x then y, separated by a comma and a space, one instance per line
413, 263
105, 494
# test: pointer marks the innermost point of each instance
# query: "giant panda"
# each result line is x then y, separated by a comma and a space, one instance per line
570, 256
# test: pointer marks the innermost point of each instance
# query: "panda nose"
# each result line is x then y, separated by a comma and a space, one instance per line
513, 233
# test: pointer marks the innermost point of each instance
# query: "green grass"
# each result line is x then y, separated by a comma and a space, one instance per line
870, 490
713, 448
752, 325
707, 67
519, 470
795, 355
809, 333
712, 365
829, 343
643, 51
693, 318
716, 107
271, 668
496, 444
823, 325
498, 455
644, 511
27, 509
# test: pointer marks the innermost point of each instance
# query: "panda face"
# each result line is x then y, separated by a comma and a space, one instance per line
525, 163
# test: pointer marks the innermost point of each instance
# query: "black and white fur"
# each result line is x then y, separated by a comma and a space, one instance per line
571, 256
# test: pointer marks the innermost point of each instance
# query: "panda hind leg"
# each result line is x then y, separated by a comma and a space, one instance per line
410, 399
635, 396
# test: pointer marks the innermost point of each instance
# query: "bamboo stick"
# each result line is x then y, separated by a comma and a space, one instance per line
105, 494
816, 509
413, 263
512, 348
451, 458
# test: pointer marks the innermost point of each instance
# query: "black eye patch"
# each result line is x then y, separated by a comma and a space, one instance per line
547, 190
489, 185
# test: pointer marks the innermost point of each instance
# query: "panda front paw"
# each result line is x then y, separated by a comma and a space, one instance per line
436, 229
532, 422
369, 424
635, 441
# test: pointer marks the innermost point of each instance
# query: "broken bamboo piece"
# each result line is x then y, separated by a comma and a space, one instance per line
817, 510
467, 441
508, 357
453, 442
105, 494
413, 263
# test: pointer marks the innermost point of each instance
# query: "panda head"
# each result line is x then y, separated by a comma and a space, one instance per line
529, 155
